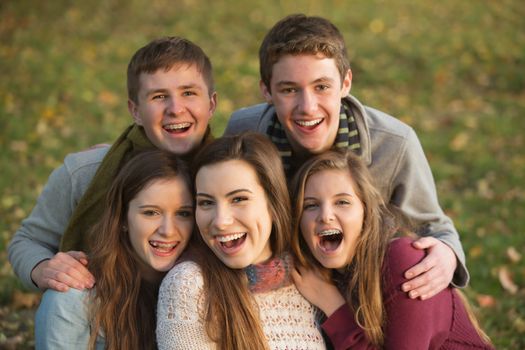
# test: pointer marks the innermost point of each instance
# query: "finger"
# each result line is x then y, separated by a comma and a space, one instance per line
425, 242
79, 256
56, 278
78, 261
419, 281
425, 265
58, 286
427, 291
425, 285
71, 272
81, 272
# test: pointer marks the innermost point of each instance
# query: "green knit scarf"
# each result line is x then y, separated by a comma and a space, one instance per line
90, 208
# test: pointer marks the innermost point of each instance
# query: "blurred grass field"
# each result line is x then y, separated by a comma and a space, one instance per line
454, 70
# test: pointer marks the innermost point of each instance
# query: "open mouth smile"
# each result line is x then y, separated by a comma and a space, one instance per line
308, 124
163, 247
330, 240
231, 242
177, 128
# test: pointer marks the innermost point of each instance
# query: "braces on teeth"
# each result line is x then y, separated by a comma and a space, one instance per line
177, 126
329, 232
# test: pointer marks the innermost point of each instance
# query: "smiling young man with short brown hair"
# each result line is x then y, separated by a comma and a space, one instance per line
306, 80
171, 98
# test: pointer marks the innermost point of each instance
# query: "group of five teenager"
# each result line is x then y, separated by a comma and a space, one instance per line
250, 278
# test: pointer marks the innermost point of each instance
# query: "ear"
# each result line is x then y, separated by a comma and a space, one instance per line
133, 109
265, 92
213, 103
347, 83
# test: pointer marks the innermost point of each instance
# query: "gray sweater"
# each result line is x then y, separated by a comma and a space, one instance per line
397, 163
39, 235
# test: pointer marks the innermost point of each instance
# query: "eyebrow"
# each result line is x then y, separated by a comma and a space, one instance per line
237, 191
156, 206
189, 86
316, 81
231, 193
179, 88
342, 194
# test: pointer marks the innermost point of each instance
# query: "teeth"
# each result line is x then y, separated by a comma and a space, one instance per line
329, 233
177, 126
162, 245
228, 238
309, 122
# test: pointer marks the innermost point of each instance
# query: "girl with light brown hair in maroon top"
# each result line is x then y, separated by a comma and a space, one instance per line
352, 266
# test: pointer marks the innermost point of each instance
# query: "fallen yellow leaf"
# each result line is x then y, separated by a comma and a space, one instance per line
513, 254
506, 280
460, 141
475, 251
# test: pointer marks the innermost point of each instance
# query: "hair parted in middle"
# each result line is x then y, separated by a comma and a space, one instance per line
379, 226
381, 223
299, 34
123, 303
232, 319
261, 154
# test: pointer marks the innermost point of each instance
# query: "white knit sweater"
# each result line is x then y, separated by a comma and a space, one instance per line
288, 320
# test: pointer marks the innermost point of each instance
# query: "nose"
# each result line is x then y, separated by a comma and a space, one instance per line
174, 106
223, 217
326, 214
307, 103
167, 226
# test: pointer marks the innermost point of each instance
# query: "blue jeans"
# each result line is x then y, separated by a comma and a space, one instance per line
61, 321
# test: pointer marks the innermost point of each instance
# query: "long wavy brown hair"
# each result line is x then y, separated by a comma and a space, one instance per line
380, 223
123, 303
232, 319
364, 290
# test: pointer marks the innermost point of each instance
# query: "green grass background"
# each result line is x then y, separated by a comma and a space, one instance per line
454, 70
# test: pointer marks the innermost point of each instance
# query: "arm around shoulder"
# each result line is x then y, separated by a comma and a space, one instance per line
39, 235
414, 191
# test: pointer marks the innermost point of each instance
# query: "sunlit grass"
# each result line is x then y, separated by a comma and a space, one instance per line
453, 70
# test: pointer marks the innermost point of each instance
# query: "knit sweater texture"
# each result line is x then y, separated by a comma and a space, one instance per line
288, 320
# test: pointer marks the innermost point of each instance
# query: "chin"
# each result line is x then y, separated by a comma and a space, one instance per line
162, 269
316, 150
234, 264
330, 263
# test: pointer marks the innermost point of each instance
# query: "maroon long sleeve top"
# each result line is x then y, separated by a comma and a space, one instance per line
440, 322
